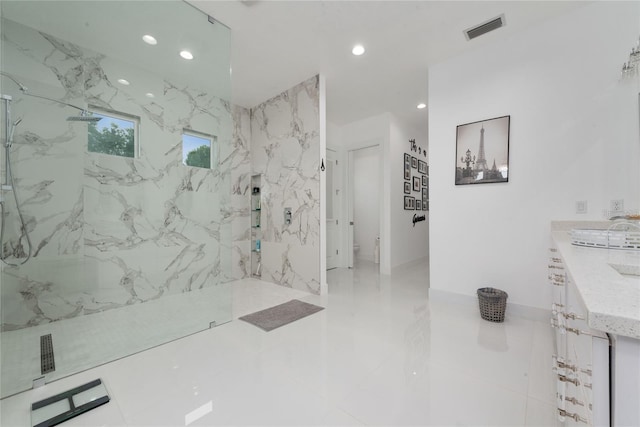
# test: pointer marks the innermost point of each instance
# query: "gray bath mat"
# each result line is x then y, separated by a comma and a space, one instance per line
280, 315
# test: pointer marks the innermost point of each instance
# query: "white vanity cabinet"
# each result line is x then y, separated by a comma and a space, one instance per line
587, 362
596, 319
581, 363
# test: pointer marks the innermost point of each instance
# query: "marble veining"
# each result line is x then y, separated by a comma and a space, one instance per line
108, 231
612, 301
285, 149
235, 161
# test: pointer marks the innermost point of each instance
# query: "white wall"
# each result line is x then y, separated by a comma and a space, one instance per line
574, 136
400, 242
408, 242
366, 200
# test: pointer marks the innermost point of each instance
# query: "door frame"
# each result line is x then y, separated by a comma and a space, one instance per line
337, 208
350, 191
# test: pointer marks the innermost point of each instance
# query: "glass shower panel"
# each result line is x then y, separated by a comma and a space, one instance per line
130, 247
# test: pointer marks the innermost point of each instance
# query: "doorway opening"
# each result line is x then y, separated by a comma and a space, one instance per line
364, 207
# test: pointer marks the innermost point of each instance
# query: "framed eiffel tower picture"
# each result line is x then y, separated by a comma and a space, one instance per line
482, 151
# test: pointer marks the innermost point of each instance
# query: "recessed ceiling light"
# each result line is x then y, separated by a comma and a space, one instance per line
149, 95
358, 50
150, 39
124, 82
422, 105
186, 54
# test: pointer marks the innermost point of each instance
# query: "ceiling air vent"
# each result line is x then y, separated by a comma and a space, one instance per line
485, 27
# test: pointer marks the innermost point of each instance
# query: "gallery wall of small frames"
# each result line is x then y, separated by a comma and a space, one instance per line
416, 179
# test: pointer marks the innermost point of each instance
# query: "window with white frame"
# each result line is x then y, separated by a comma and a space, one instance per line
115, 134
197, 149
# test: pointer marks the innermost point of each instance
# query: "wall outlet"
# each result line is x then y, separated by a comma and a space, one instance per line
617, 206
581, 207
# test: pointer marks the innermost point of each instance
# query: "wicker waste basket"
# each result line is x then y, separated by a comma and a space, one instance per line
493, 303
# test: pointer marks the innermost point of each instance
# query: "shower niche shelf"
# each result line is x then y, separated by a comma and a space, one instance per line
256, 230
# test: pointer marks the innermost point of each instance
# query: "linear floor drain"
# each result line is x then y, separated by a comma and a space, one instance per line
47, 361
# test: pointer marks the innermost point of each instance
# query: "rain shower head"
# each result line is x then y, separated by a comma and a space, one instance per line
85, 116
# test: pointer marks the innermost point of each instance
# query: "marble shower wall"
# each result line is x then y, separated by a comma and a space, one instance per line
285, 149
109, 231
239, 214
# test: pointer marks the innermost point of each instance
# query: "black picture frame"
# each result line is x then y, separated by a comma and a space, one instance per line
425, 198
407, 171
422, 167
407, 158
482, 151
409, 203
418, 204
407, 187
425, 181
416, 183
414, 162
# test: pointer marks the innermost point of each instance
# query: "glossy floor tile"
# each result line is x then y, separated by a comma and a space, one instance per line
380, 353
86, 341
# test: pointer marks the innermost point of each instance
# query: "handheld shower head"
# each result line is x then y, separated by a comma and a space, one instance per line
9, 142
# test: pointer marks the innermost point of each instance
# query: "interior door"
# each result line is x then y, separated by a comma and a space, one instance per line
332, 210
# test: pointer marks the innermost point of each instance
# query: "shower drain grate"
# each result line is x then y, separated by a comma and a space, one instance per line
47, 361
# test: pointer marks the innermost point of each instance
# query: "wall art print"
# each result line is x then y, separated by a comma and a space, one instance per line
422, 167
416, 183
409, 203
482, 151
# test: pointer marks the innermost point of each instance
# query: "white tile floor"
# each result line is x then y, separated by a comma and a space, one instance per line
86, 341
381, 353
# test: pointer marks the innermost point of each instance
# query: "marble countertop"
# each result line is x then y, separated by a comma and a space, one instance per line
612, 299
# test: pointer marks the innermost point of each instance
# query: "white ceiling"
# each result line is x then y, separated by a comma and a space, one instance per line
277, 44
115, 28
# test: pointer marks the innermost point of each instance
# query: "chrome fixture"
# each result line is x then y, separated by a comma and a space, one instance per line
9, 185
84, 116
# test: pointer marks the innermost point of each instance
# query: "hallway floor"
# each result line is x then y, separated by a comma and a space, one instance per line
381, 353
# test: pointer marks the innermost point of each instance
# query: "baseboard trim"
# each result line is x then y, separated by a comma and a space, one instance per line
518, 310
